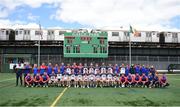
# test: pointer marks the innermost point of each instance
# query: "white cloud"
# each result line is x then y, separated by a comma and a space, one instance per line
32, 17
5, 23
100, 13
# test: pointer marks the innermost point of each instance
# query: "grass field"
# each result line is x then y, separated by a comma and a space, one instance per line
18, 96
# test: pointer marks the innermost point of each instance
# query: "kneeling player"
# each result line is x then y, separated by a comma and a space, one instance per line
59, 79
91, 80
66, 80
110, 79
137, 80
37, 80
122, 80
73, 81
28, 80
98, 80
144, 80
156, 81
103, 80
116, 81
150, 80
163, 81
130, 79
45, 80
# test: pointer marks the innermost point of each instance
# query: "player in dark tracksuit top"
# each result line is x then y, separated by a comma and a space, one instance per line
18, 74
27, 70
163, 81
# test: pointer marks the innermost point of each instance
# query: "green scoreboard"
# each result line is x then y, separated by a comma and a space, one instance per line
86, 45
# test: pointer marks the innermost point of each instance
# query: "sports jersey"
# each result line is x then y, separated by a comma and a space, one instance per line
116, 70
62, 69
56, 70
65, 77
49, 70
42, 69
123, 78
129, 78
35, 71
28, 78
44, 77
123, 70
109, 76
137, 78
68, 71
27, 69
91, 76
163, 79
53, 76
73, 77
59, 76
79, 77
143, 78
150, 77
103, 76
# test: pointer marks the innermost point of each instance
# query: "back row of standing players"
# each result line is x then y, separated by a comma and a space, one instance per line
94, 75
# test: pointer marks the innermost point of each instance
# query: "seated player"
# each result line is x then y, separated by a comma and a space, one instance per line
59, 79
156, 82
123, 80
45, 80
66, 80
80, 80
110, 77
72, 81
103, 79
163, 81
137, 80
116, 81
53, 80
91, 79
129, 80
150, 80
29, 80
86, 81
37, 80
98, 78
144, 80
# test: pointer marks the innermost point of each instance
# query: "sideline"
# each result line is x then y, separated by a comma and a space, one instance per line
58, 98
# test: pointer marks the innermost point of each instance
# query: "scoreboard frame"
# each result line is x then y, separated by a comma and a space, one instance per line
85, 44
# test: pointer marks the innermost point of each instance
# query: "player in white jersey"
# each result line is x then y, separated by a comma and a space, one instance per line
103, 80
86, 81
59, 79
98, 79
66, 80
80, 80
116, 81
91, 79
52, 81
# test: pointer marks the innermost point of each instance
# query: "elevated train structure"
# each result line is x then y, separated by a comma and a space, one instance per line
159, 48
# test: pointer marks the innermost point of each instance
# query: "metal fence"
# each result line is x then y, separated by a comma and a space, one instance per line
159, 62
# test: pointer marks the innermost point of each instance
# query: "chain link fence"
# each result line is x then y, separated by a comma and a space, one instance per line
159, 62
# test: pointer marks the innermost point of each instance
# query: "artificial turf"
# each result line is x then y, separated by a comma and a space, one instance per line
22, 96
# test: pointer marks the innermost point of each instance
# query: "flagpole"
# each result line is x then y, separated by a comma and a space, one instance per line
130, 49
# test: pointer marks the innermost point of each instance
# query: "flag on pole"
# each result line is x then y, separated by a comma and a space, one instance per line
134, 32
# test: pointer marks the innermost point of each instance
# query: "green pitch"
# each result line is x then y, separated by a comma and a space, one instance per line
17, 96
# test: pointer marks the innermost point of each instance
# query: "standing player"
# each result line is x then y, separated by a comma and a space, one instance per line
29, 80
49, 69
122, 69
116, 70
103, 68
45, 80
85, 69
75, 68
80, 68
27, 70
42, 68
35, 70
63, 68
56, 68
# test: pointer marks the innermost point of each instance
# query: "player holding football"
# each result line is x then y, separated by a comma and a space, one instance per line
137, 80
45, 80
37, 80
122, 80
144, 80
130, 80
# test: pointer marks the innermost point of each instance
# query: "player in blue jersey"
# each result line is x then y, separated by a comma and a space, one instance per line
137, 80
49, 69
129, 80
62, 68
43, 68
35, 70
56, 69
116, 70
37, 80
27, 69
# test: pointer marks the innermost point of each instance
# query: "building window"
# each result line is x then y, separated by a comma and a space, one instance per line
126, 33
7, 32
68, 49
16, 32
50, 32
115, 33
37, 32
101, 41
95, 49
69, 41
76, 49
20, 32
62, 32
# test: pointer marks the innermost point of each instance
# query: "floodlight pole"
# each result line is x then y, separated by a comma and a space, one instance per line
39, 45
130, 49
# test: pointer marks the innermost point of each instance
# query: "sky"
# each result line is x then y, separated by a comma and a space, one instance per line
100, 14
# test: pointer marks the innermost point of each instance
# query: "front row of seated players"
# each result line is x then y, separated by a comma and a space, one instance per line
89, 79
